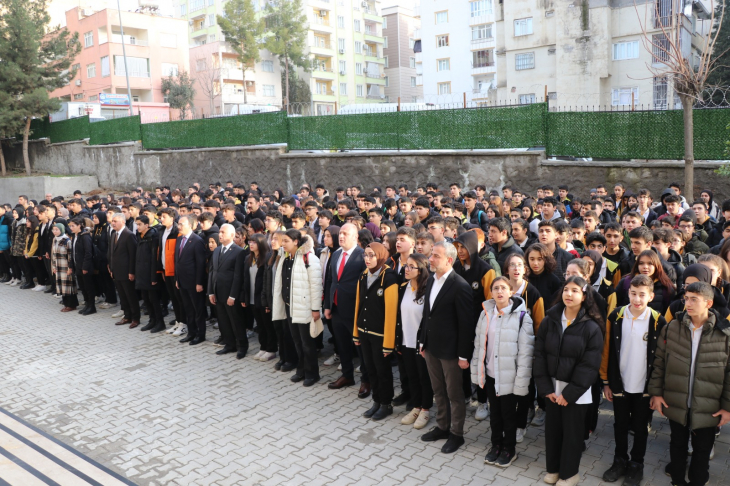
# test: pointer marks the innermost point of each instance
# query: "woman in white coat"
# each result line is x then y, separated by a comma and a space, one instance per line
502, 365
297, 299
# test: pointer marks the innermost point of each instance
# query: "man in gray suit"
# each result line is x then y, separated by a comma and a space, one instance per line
224, 284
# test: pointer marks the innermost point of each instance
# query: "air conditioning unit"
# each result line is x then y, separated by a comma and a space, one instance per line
342, 51
78, 82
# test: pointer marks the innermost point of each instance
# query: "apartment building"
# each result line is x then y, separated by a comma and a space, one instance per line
594, 54
156, 47
401, 27
457, 49
219, 76
346, 45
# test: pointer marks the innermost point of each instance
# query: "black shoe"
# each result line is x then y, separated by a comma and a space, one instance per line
89, 310
505, 458
278, 365
218, 341
83, 309
492, 455
371, 411
226, 350
668, 469
47, 291
296, 378
173, 322
187, 338
149, 325
634, 474
617, 470
159, 327
310, 381
383, 412
6, 278
197, 340
241, 354
435, 434
26, 286
401, 399
453, 444
286, 367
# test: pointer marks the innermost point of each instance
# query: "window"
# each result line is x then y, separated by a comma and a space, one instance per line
524, 61
341, 44
200, 65
442, 41
413, 81
79, 96
412, 62
442, 17
385, 22
211, 3
211, 19
94, 98
444, 88
527, 99
267, 66
341, 22
343, 67
183, 10
358, 68
443, 65
523, 27
139, 67
414, 99
343, 89
357, 25
358, 47
88, 39
359, 90
622, 96
168, 40
480, 7
411, 42
387, 81
105, 66
659, 48
385, 42
480, 32
211, 38
661, 90
269, 90
625, 50
169, 69
386, 61
91, 70
483, 58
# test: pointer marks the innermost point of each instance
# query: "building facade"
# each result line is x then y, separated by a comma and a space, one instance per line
156, 47
401, 28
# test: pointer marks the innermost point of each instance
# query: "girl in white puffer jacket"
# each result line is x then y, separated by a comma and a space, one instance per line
502, 365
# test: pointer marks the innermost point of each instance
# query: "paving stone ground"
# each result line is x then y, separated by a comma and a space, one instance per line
163, 413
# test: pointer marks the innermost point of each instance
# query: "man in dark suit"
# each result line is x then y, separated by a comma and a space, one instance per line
122, 254
339, 305
224, 286
446, 340
189, 278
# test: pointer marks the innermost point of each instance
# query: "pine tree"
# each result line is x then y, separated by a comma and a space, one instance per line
721, 53
34, 62
180, 92
287, 26
242, 31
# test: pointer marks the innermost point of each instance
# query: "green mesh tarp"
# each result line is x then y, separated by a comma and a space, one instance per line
116, 130
62, 131
710, 134
479, 128
256, 129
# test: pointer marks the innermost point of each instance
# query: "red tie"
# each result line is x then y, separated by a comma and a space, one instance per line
339, 271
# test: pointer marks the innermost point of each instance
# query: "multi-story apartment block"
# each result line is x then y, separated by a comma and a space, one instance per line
346, 45
401, 28
156, 47
457, 44
220, 77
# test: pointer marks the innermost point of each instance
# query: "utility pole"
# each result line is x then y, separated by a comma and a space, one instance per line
124, 53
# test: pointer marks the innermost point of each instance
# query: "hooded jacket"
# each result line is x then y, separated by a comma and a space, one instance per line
671, 375
306, 286
513, 348
6, 231
146, 261
479, 275
508, 248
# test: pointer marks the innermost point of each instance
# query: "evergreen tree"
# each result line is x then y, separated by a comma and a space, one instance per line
242, 30
287, 26
720, 76
33, 62
180, 92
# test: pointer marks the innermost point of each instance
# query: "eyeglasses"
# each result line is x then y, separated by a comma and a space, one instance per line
410, 267
516, 265
369, 255
687, 226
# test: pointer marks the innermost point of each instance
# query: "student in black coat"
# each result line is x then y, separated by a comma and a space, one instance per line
190, 277
147, 279
121, 256
81, 263
252, 295
446, 341
100, 238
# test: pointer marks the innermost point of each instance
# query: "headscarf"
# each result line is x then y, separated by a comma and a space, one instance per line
381, 255
374, 230
597, 260
335, 232
101, 227
698, 271
63, 212
62, 229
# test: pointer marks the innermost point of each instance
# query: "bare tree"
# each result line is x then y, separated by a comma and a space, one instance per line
662, 37
209, 80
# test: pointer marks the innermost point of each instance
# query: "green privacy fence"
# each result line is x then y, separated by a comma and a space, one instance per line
477, 128
99, 133
256, 129
62, 131
116, 130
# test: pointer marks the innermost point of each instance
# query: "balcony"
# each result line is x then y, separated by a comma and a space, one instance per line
322, 49
419, 80
419, 57
483, 67
371, 57
132, 74
374, 96
232, 73
417, 11
372, 15
417, 34
320, 24
373, 38
129, 40
483, 18
326, 73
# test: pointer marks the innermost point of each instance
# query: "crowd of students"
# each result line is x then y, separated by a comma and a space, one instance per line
536, 307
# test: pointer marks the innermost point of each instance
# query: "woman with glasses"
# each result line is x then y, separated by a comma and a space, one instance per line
648, 263
410, 310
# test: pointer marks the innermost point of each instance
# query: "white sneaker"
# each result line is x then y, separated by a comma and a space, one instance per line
183, 329
250, 333
339, 367
569, 482
106, 305
520, 435
14, 283
119, 313
174, 327
267, 357
422, 420
357, 370
215, 325
482, 412
332, 360
39, 288
539, 418
259, 355
411, 417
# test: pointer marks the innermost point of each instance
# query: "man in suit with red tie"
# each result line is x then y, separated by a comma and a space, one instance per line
121, 255
189, 277
339, 304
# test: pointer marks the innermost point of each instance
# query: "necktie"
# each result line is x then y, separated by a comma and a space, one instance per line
224, 250
339, 271
182, 245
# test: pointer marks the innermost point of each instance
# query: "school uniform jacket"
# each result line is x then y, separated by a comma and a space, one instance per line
479, 276
534, 304
610, 360
376, 308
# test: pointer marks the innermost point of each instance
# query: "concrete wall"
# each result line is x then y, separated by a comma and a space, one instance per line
37, 187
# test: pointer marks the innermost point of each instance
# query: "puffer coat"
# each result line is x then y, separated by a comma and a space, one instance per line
672, 364
5, 232
19, 232
513, 350
306, 286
